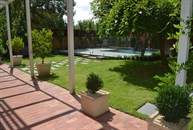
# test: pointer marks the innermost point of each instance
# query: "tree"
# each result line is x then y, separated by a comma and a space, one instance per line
88, 29
137, 17
17, 18
42, 43
44, 14
48, 13
3, 28
87, 25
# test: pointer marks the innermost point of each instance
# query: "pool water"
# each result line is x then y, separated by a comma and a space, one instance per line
112, 52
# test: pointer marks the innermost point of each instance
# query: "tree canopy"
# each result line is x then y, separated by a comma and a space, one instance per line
3, 33
87, 25
44, 14
137, 17
48, 13
125, 17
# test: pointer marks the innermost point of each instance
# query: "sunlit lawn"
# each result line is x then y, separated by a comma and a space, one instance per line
130, 83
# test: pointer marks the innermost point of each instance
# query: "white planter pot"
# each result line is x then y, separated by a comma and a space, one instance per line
43, 69
17, 59
95, 104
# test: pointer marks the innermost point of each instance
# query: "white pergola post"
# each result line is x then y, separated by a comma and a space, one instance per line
27, 5
70, 25
184, 40
9, 33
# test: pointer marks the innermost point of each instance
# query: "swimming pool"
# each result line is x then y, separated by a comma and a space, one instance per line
112, 52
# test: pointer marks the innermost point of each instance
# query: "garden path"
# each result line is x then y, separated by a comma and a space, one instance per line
56, 65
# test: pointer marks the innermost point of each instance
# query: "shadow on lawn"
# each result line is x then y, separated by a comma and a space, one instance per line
141, 73
48, 77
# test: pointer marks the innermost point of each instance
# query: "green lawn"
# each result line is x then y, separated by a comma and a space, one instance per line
130, 83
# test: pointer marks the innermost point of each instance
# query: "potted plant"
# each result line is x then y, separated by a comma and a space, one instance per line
17, 45
94, 101
2, 50
42, 47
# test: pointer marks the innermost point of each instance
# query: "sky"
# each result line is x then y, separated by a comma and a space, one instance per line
82, 10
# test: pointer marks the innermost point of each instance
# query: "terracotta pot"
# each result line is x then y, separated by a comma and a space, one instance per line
95, 104
43, 69
17, 59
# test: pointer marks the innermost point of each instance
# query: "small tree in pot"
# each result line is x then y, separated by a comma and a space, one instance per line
94, 83
17, 45
42, 47
94, 101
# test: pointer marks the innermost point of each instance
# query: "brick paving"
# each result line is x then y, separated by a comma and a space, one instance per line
29, 104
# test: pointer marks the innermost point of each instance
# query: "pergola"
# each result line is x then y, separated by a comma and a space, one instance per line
186, 11
6, 4
184, 40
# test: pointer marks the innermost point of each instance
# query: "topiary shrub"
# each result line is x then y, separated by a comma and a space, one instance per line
173, 103
94, 83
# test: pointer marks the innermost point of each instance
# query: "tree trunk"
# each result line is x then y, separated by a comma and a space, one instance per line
42, 60
144, 42
161, 42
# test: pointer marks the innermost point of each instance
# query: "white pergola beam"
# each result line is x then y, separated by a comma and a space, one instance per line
9, 35
29, 35
184, 41
70, 25
3, 3
6, 4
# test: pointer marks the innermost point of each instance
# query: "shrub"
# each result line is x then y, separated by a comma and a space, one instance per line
93, 83
2, 49
142, 58
151, 58
125, 57
156, 54
137, 57
17, 44
42, 43
173, 103
169, 78
132, 57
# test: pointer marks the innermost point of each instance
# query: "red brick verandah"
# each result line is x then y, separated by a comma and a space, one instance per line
29, 104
